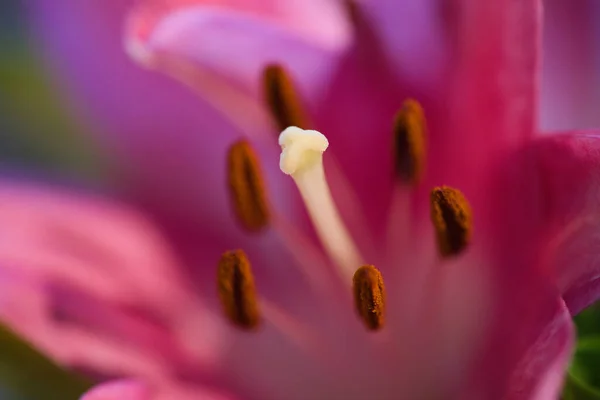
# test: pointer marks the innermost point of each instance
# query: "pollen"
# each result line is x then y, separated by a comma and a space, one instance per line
237, 291
452, 218
410, 142
246, 187
283, 99
369, 296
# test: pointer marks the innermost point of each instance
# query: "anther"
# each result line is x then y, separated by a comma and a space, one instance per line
237, 291
452, 219
283, 99
409, 142
246, 187
369, 296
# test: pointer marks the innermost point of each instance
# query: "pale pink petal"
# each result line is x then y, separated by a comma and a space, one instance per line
202, 45
319, 21
120, 390
541, 373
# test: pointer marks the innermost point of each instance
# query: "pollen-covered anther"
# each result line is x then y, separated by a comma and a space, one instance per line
369, 296
452, 218
246, 187
237, 291
410, 132
283, 99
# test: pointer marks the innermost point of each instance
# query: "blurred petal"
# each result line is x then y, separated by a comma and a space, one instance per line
70, 264
569, 185
165, 144
119, 390
540, 374
492, 90
570, 89
203, 45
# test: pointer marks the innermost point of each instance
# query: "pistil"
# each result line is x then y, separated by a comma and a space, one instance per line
302, 158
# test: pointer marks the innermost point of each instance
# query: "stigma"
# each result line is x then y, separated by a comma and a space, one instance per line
302, 159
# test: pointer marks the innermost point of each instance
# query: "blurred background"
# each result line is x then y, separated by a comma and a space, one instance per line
39, 138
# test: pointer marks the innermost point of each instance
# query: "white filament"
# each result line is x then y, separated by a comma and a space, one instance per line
302, 158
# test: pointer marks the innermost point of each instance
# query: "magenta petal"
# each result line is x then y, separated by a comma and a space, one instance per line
570, 86
490, 101
119, 390
569, 187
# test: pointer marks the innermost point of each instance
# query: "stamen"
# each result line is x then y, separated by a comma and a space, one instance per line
452, 219
409, 141
302, 158
283, 98
247, 191
369, 296
237, 291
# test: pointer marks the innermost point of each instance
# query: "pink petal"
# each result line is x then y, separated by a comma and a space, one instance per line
95, 286
166, 145
570, 80
119, 390
568, 167
138, 390
491, 91
201, 45
321, 21
540, 374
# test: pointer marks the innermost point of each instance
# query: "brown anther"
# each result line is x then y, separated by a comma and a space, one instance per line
237, 291
283, 99
410, 141
246, 187
369, 296
452, 219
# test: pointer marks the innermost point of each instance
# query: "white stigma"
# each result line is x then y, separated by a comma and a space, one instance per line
302, 158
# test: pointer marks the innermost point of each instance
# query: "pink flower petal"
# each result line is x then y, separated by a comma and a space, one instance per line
540, 374
321, 21
201, 44
95, 286
569, 93
138, 390
490, 101
569, 184
119, 390
166, 145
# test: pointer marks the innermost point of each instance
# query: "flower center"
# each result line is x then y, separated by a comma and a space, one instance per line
302, 159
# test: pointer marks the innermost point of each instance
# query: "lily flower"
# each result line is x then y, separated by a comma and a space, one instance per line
448, 244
